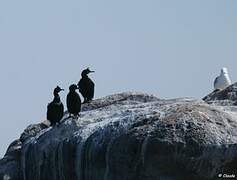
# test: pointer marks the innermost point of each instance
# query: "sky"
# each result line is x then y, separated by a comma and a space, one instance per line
168, 48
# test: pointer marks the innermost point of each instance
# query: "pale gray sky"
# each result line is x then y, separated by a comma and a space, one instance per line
166, 47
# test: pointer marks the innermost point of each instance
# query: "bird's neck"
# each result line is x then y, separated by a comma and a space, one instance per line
224, 74
56, 98
84, 76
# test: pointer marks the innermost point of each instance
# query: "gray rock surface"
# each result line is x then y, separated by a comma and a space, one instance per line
225, 97
129, 136
10, 164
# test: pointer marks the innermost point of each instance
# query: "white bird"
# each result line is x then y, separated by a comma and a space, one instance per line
223, 81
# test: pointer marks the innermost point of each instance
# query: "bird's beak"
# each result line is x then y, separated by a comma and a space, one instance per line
61, 89
92, 71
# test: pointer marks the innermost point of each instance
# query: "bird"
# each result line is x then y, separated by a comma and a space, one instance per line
223, 81
73, 101
86, 86
55, 109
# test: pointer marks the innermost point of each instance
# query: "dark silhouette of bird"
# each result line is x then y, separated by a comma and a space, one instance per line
55, 109
86, 86
73, 101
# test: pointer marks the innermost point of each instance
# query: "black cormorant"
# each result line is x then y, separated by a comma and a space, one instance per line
73, 101
86, 86
55, 109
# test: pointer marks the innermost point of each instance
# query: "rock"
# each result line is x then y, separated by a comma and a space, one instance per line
10, 168
132, 136
225, 97
32, 131
10, 164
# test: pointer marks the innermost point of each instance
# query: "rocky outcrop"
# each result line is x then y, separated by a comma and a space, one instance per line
10, 164
129, 136
226, 97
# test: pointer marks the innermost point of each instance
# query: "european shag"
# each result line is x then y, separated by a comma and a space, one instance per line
55, 108
73, 101
86, 86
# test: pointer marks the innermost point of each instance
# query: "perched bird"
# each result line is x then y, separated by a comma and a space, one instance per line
223, 81
55, 108
86, 86
73, 101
